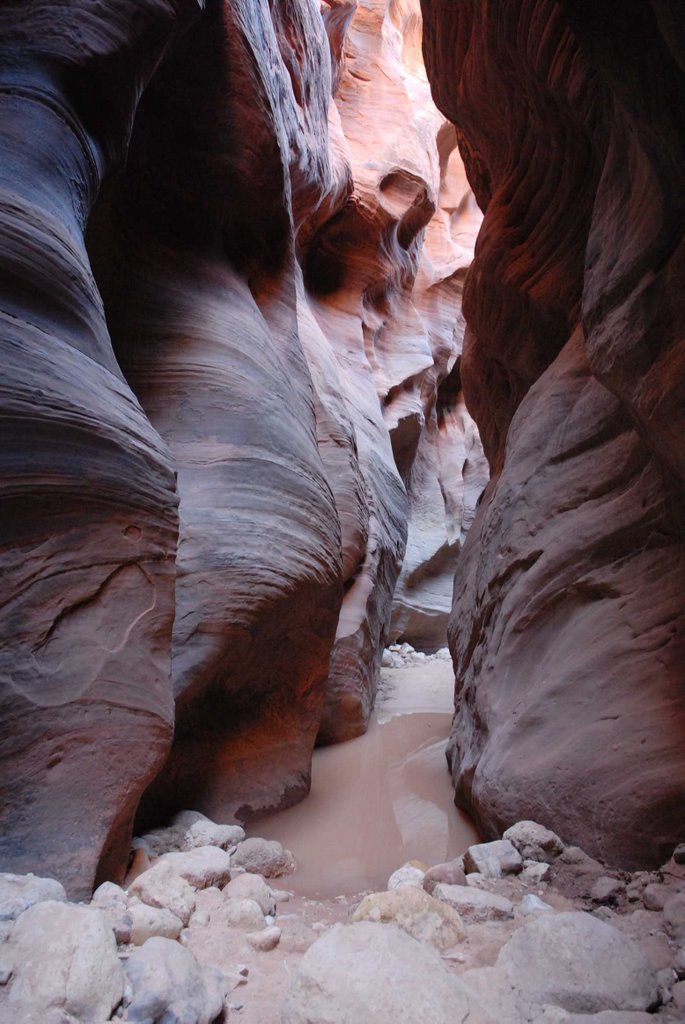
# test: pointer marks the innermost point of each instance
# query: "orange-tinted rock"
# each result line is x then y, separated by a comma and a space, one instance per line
568, 632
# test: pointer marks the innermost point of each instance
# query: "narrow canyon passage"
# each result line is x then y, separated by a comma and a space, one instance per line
382, 799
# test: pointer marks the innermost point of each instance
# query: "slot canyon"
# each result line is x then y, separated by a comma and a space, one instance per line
342, 504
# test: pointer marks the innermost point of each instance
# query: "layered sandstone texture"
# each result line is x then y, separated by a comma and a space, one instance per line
568, 627
222, 346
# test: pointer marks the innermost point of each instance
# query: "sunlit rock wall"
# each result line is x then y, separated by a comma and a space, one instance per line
568, 629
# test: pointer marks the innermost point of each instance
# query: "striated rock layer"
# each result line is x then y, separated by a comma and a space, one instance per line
568, 627
88, 518
222, 345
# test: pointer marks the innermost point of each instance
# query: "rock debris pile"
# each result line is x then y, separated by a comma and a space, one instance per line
523, 930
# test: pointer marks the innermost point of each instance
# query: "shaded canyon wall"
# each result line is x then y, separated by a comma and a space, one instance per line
222, 343
568, 626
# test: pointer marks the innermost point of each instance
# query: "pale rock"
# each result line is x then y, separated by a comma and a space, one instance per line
408, 874
113, 901
6, 972
164, 982
679, 963
534, 842
63, 958
415, 912
264, 940
208, 833
606, 889
665, 980
368, 972
534, 872
147, 922
263, 857
202, 867
477, 881
19, 892
387, 660
443, 654
610, 1017
241, 913
674, 917
475, 905
532, 904
574, 961
252, 887
678, 994
296, 935
162, 886
493, 859
655, 896
451, 873
281, 895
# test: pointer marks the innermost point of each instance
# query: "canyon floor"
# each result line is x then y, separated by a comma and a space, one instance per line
389, 909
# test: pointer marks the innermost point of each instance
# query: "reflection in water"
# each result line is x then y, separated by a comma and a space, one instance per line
379, 800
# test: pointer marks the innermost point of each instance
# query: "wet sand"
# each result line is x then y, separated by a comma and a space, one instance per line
382, 799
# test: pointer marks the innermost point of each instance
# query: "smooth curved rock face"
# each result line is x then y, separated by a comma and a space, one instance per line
88, 517
202, 303
567, 630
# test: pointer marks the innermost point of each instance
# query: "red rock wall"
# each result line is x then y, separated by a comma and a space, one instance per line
568, 630
217, 358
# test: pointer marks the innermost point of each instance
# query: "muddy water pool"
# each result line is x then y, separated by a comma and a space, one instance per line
382, 799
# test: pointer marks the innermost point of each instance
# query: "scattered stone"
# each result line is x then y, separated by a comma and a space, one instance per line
207, 833
654, 896
678, 994
493, 859
296, 935
264, 940
19, 892
62, 957
534, 872
372, 972
532, 904
443, 654
674, 917
665, 980
679, 853
415, 912
264, 857
201, 867
201, 917
679, 963
535, 842
165, 982
186, 819
147, 922
243, 913
574, 873
474, 905
162, 886
5, 972
477, 881
578, 963
606, 889
281, 895
113, 901
252, 887
408, 874
451, 873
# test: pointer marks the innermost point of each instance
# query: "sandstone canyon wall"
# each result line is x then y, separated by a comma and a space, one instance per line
568, 627
203, 453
